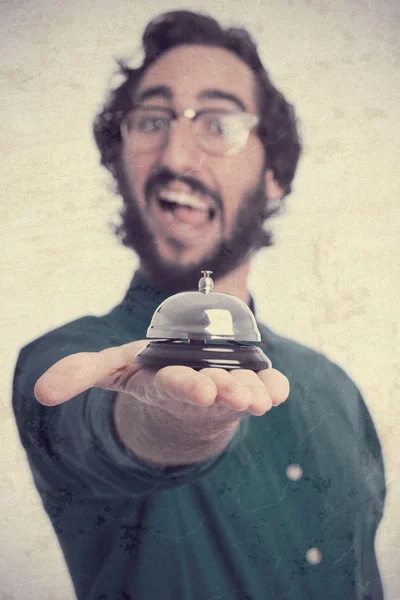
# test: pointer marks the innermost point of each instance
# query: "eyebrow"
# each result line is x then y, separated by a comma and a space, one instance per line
155, 90
220, 95
165, 92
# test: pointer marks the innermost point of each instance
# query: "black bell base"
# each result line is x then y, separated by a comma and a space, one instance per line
199, 355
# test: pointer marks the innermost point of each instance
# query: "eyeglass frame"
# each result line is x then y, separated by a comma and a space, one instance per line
191, 114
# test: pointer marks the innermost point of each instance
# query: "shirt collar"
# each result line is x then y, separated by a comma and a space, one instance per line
142, 297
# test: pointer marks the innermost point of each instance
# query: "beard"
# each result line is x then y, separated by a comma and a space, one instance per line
247, 236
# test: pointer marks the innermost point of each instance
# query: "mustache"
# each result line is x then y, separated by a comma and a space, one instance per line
165, 177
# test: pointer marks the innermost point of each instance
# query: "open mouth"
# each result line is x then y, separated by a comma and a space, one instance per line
187, 208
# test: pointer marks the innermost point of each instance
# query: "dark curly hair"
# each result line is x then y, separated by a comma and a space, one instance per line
278, 127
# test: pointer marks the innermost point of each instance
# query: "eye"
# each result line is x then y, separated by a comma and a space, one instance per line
216, 125
227, 126
150, 124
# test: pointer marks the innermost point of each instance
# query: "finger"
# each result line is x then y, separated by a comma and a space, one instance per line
185, 384
76, 373
260, 400
230, 392
277, 385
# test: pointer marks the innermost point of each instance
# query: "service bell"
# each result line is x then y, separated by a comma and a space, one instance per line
204, 329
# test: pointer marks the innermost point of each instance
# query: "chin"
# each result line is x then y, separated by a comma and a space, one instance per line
185, 263
180, 256
176, 275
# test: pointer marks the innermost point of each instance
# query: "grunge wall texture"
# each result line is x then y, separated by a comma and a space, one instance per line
332, 279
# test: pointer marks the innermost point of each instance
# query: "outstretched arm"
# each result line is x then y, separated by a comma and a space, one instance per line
171, 416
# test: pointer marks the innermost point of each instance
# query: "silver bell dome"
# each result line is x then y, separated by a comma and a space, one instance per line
204, 315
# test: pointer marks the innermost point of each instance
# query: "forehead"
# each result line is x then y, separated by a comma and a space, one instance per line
190, 70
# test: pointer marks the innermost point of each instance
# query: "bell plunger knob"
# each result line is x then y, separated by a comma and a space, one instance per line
206, 284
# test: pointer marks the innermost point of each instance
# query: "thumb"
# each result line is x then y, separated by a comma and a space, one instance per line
78, 372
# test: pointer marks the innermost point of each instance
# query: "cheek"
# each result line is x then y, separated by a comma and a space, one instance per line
242, 172
137, 170
255, 157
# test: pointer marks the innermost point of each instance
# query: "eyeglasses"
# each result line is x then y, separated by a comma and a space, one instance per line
216, 131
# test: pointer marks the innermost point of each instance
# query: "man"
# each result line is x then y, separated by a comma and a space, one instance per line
184, 484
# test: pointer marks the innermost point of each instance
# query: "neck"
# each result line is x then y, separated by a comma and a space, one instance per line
234, 283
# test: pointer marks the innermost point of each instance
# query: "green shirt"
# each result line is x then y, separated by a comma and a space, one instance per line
239, 526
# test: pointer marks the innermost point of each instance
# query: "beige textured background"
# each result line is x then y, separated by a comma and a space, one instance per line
332, 280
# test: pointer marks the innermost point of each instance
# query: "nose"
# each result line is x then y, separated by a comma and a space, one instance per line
181, 152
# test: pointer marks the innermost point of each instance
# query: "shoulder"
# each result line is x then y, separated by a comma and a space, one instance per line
321, 392
87, 334
75, 336
77, 333
303, 365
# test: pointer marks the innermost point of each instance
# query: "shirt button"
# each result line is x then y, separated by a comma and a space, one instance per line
294, 472
314, 556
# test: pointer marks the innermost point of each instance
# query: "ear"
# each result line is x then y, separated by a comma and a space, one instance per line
274, 191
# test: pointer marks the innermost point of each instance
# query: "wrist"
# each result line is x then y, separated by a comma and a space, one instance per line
165, 439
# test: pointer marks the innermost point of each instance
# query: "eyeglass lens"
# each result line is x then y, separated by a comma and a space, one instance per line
216, 132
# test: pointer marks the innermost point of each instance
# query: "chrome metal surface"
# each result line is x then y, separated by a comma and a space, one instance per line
206, 284
204, 315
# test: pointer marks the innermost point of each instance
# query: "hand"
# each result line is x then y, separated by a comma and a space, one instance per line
170, 388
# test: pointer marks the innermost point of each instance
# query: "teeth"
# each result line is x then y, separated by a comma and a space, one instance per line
184, 199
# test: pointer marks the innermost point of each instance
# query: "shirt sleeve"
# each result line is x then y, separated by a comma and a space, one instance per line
355, 508
73, 448
361, 560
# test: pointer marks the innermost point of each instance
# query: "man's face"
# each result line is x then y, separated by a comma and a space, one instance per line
191, 203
